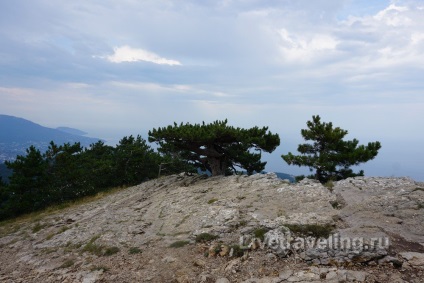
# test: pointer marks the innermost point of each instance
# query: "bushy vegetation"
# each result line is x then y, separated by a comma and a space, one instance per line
134, 250
205, 237
111, 251
179, 244
314, 230
260, 233
68, 172
237, 250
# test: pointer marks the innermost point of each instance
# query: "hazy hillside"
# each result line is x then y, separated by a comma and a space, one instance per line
17, 134
285, 176
71, 131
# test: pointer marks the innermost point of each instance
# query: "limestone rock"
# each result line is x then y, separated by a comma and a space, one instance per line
414, 259
364, 211
225, 250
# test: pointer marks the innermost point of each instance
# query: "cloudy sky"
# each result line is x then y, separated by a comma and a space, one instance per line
115, 68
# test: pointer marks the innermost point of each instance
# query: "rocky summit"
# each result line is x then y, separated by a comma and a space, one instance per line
255, 228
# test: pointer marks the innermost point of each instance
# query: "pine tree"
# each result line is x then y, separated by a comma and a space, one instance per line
216, 147
135, 161
29, 182
329, 154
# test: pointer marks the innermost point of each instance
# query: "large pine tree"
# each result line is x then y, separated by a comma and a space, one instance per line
216, 146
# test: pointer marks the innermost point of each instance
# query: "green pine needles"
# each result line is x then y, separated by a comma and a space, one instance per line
329, 155
216, 147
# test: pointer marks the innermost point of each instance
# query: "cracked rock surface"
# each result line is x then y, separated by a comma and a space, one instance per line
147, 233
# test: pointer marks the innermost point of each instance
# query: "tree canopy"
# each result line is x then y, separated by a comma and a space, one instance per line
329, 154
217, 146
68, 172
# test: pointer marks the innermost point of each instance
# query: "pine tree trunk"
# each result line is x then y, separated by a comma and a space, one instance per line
216, 166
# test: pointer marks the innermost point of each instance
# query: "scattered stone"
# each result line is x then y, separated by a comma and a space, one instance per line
92, 276
206, 278
414, 259
168, 259
285, 274
199, 263
225, 250
358, 276
232, 264
271, 257
390, 260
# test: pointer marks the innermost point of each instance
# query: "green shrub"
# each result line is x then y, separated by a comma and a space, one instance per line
111, 251
68, 263
260, 233
237, 251
49, 236
315, 230
329, 185
335, 204
61, 230
134, 250
212, 200
205, 237
38, 227
179, 244
98, 268
93, 248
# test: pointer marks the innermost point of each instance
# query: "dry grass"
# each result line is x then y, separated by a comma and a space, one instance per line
12, 226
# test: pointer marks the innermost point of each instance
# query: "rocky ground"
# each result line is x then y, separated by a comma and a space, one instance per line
234, 229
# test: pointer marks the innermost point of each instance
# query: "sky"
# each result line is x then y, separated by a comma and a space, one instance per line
119, 68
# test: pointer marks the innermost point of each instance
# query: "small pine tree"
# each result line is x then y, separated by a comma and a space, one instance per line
329, 154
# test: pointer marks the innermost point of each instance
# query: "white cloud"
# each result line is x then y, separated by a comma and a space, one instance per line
305, 47
128, 54
393, 16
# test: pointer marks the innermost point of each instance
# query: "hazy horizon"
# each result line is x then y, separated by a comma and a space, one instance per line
275, 163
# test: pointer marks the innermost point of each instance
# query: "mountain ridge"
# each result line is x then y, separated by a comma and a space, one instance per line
17, 134
71, 131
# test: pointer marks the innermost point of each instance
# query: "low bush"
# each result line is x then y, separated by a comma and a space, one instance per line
205, 237
315, 230
179, 244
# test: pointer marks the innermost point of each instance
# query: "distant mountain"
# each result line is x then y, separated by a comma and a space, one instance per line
71, 131
17, 134
285, 176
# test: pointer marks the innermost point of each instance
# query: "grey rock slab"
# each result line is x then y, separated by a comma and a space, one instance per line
390, 204
414, 259
356, 276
